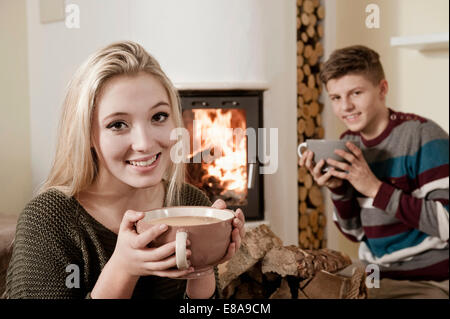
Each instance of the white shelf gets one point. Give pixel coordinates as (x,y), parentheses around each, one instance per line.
(434,41)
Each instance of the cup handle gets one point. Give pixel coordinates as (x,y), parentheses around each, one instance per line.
(299,149)
(180,250)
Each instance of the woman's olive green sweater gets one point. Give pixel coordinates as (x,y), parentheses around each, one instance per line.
(56,239)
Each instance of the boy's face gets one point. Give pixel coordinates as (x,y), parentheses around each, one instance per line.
(358,103)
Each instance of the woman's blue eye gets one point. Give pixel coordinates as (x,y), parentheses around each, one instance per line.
(116,126)
(160,117)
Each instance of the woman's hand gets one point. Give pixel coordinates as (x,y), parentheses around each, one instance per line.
(204,287)
(315,170)
(358,172)
(132,256)
(237,233)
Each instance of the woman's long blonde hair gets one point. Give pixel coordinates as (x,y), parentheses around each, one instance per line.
(75,166)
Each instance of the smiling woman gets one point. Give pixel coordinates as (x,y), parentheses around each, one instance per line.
(112,164)
(104,84)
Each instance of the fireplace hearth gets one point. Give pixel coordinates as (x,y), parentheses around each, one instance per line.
(222,126)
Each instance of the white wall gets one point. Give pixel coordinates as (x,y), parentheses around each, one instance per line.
(195,41)
(15,171)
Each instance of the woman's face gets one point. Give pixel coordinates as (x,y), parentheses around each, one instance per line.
(131,131)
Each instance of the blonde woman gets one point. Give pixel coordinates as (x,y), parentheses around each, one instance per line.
(112,163)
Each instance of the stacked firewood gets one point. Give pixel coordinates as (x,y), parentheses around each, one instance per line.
(309,120)
(265,269)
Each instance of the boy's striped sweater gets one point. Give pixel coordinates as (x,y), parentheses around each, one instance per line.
(405,228)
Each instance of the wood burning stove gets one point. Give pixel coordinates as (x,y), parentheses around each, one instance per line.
(223,126)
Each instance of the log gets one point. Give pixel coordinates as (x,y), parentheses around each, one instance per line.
(314,108)
(307,53)
(313,219)
(308,6)
(300,62)
(294,261)
(313,59)
(315,94)
(311,31)
(302,194)
(300,47)
(302,207)
(304,18)
(255,244)
(300,101)
(309,127)
(320,30)
(312,20)
(300,75)
(303,221)
(318,118)
(306,111)
(304,37)
(319,132)
(315,195)
(302,88)
(299,23)
(316,3)
(320,234)
(301,126)
(319,82)
(321,208)
(308,94)
(303,239)
(310,234)
(308,182)
(322,219)
(302,173)
(307,68)
(319,49)
(311,84)
(316,243)
(320,12)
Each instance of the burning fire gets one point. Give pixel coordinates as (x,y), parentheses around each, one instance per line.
(223,131)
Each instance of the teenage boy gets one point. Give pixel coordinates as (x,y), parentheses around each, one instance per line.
(392,194)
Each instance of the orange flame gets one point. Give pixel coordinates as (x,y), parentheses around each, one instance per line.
(224,130)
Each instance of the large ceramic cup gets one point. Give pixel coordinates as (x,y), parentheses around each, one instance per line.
(324,149)
(208,229)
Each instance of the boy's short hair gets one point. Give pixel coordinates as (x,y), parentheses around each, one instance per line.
(355,59)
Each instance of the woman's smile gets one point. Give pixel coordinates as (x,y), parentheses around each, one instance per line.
(145,165)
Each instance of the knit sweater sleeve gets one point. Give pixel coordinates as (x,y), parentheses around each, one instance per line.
(346,213)
(426,208)
(45,263)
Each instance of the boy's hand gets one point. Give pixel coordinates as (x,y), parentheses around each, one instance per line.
(316,171)
(358,172)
